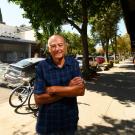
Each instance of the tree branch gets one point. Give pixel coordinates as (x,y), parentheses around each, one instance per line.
(74,25)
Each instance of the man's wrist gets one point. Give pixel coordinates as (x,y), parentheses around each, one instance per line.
(51,91)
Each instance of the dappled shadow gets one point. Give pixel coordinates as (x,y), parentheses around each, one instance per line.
(119,85)
(20,132)
(116,127)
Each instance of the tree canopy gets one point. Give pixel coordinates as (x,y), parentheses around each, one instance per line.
(48,15)
(123,45)
(104,25)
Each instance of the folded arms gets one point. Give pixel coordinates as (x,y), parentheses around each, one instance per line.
(76,87)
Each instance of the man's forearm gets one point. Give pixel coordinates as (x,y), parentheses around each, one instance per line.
(67,91)
(46,98)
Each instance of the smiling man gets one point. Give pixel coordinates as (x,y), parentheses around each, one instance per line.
(58,83)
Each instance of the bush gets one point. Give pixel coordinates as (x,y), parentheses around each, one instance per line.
(88,74)
(116,61)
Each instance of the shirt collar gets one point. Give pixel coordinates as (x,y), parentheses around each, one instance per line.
(52,65)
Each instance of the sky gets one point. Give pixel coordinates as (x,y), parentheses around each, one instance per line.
(12,15)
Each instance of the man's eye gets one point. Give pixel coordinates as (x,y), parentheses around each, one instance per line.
(52,46)
(60,45)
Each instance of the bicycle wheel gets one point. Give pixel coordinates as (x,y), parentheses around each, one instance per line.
(31,102)
(18,96)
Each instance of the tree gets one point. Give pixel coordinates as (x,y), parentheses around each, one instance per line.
(104,26)
(75,45)
(123,45)
(54,13)
(74,42)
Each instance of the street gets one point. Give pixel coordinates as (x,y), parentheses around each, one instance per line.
(107,108)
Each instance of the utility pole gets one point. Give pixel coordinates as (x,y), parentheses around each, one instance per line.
(1,20)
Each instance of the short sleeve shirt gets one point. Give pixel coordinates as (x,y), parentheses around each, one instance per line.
(63,114)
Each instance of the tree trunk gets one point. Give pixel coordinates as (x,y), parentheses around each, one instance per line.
(106,51)
(85,51)
(84,38)
(115,49)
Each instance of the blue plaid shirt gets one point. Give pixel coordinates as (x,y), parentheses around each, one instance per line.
(63,114)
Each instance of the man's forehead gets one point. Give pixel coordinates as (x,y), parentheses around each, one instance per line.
(55,38)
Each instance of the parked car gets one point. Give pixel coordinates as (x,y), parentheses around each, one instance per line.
(22,69)
(79,58)
(111,58)
(92,61)
(80,64)
(100,59)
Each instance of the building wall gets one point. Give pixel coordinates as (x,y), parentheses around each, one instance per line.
(10,53)
(27,35)
(15,42)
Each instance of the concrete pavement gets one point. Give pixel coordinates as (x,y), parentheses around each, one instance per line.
(108,107)
(4,94)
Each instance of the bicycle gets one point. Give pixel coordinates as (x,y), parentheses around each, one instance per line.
(22,93)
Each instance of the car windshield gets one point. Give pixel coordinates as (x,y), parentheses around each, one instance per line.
(23,63)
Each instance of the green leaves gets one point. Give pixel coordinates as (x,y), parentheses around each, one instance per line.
(49,15)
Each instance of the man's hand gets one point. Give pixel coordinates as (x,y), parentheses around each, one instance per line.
(76,81)
(51,90)
(75,88)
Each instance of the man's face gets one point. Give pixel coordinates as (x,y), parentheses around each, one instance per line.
(57,47)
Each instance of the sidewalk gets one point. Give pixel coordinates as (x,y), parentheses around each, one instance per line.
(107,108)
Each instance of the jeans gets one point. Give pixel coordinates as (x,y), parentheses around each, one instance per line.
(60,133)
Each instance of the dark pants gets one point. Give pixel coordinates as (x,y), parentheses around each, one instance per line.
(60,133)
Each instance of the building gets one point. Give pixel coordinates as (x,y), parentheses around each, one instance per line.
(16,43)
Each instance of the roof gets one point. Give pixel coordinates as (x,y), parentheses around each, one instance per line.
(23,32)
(15,40)
(24,28)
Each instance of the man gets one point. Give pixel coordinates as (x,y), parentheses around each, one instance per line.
(58,82)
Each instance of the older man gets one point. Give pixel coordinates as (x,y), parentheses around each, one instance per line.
(58,83)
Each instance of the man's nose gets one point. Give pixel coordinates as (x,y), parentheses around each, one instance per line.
(57,47)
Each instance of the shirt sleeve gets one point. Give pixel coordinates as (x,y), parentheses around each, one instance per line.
(39,84)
